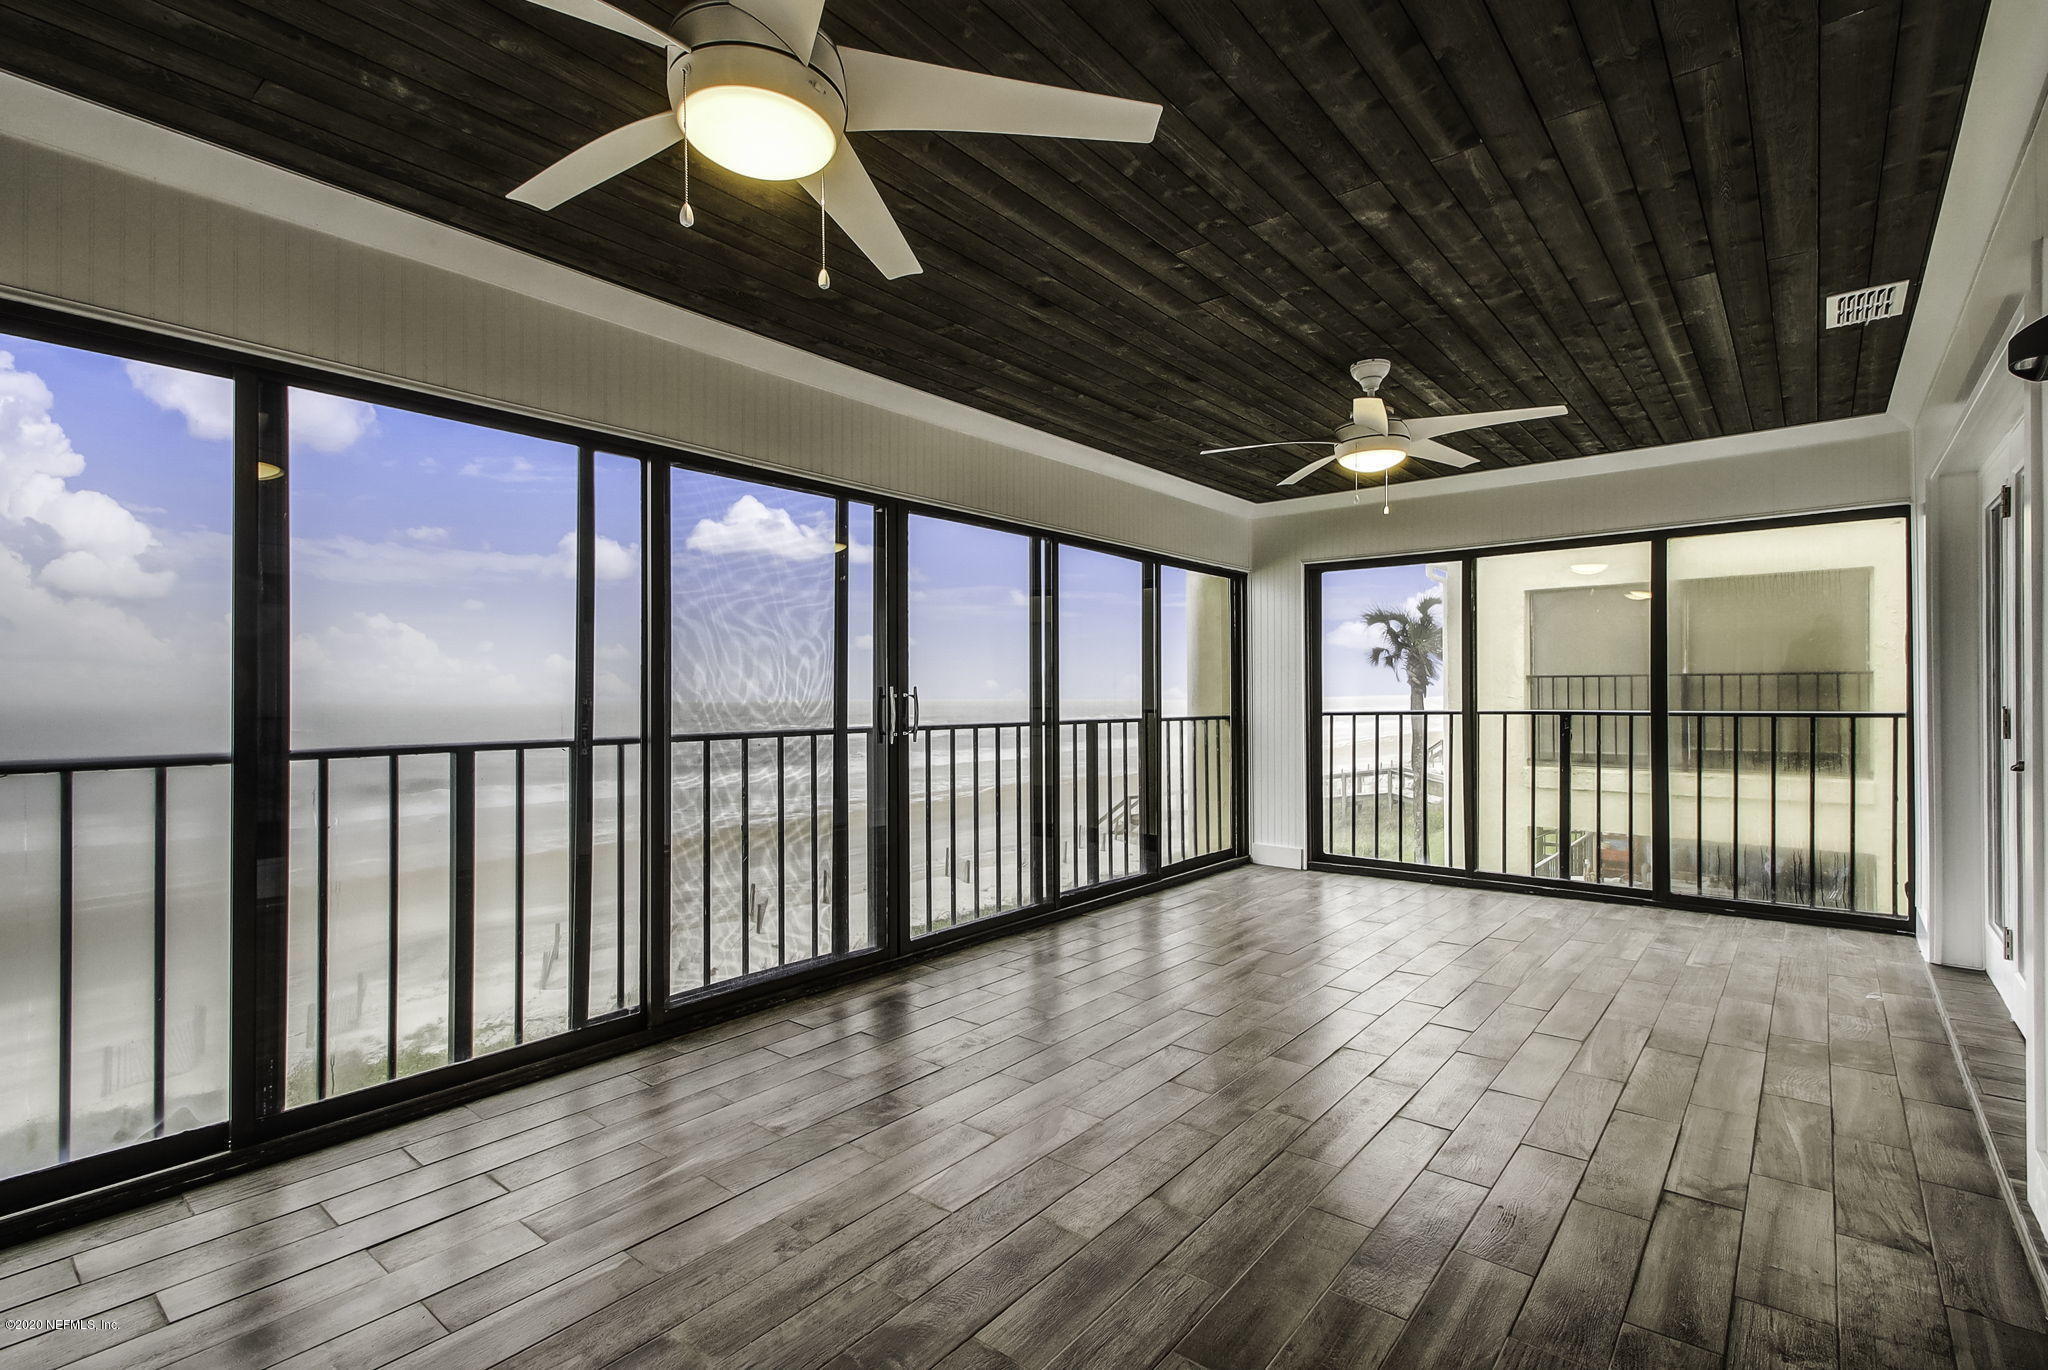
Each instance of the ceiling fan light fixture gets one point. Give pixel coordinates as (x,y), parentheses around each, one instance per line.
(1588,568)
(758,132)
(759,111)
(1371,455)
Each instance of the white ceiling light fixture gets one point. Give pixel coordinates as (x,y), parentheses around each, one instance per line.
(755,87)
(1636,594)
(1588,568)
(1374,442)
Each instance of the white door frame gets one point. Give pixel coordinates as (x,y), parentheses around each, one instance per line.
(2007,677)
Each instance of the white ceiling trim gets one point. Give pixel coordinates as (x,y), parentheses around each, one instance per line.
(1872,428)
(38,114)
(2004,103)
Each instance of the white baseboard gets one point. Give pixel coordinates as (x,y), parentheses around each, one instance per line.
(1274,854)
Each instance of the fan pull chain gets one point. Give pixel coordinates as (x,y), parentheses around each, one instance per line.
(688,218)
(824,276)
(1387,491)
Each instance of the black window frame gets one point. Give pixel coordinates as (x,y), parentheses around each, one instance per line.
(260,1128)
(1467,781)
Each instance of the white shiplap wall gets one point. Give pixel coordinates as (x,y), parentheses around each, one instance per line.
(105,215)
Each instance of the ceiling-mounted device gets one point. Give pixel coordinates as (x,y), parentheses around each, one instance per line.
(758,89)
(1853,308)
(1375,441)
(2026,356)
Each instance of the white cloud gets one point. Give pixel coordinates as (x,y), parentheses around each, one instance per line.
(427,534)
(358,561)
(1352,635)
(329,423)
(753,527)
(510,470)
(610,560)
(373,662)
(98,541)
(1355,634)
(207,402)
(326,423)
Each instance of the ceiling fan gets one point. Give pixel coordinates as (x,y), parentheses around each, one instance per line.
(1374,441)
(755,87)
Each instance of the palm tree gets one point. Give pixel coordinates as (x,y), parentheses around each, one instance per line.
(1411,645)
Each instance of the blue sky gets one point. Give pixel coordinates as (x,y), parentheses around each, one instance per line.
(1347,675)
(433,589)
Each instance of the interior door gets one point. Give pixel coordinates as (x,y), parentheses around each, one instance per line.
(2005,682)
(965,717)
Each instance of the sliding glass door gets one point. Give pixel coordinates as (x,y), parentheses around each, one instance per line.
(1563,714)
(1197,732)
(966,721)
(1390,733)
(769,731)
(1101,649)
(1715,716)
(359,747)
(116,495)
(1790,741)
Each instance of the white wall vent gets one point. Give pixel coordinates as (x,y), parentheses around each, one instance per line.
(1853,307)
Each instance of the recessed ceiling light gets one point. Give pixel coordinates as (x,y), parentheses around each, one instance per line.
(1636,594)
(1588,568)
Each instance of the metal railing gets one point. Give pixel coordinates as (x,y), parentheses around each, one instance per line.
(1197,786)
(1804,810)
(1102,817)
(433,896)
(1797,809)
(756,851)
(1759,691)
(1573,790)
(976,779)
(1390,783)
(147,1073)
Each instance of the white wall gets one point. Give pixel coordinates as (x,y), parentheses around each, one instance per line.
(104,214)
(1971,421)
(1827,466)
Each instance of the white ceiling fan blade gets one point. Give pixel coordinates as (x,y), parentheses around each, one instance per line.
(1438,453)
(795,22)
(1255,446)
(894,93)
(620,150)
(1459,423)
(850,197)
(1309,470)
(1370,413)
(611,17)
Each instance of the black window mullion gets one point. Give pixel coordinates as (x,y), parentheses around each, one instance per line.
(841,887)
(1045,669)
(261,781)
(1150,772)
(1468,760)
(1660,726)
(581,769)
(656,826)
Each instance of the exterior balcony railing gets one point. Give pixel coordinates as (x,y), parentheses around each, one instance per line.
(1797,809)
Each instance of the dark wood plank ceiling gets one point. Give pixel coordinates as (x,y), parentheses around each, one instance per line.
(1632,207)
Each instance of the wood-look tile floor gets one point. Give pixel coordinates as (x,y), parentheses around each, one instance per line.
(1267,1119)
